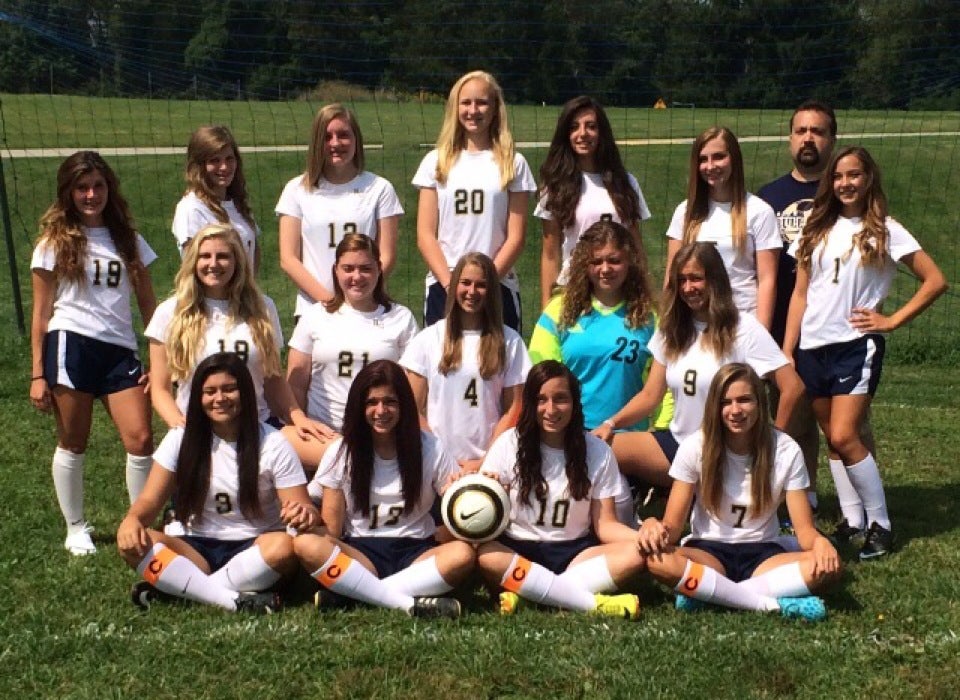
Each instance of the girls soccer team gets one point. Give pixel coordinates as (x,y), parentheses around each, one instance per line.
(384,443)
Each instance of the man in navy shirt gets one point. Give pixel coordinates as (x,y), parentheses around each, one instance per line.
(813,133)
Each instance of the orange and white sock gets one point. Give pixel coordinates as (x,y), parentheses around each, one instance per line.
(420,578)
(346,576)
(537,583)
(246,571)
(172,573)
(703,583)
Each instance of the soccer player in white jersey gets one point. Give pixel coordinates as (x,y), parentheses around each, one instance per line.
(846,259)
(334,197)
(467,370)
(700,331)
(743,227)
(474,190)
(582,181)
(333,341)
(87,263)
(217,307)
(216,191)
(733,473)
(377,485)
(237,482)
(564,545)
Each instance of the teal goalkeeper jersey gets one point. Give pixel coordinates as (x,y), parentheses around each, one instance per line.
(609,358)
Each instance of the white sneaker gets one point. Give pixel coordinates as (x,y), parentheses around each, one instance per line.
(79,543)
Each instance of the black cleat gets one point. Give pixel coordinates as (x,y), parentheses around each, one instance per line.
(266,603)
(878,543)
(436,607)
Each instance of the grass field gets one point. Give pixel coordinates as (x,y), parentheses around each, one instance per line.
(68,630)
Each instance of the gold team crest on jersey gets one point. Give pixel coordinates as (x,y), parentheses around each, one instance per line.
(793,218)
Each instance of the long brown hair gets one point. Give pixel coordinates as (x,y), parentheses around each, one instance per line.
(577,297)
(560,174)
(492,353)
(194,458)
(677,322)
(204,144)
(316,155)
(873,238)
(715,441)
(698,191)
(357,445)
(529,466)
(62,228)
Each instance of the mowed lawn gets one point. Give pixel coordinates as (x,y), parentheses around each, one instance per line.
(67,628)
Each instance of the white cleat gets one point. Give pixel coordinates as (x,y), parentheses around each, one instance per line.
(79,543)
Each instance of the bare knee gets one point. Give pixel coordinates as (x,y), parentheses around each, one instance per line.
(138,441)
(276,548)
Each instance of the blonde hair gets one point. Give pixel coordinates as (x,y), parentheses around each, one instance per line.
(452,138)
(185,336)
(698,192)
(316,156)
(714,456)
(873,238)
(492,354)
(204,144)
(577,297)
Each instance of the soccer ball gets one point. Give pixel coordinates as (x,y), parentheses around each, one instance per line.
(476,508)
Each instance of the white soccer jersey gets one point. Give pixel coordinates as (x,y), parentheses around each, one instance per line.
(222,334)
(559,517)
(840,282)
(689,375)
(763,233)
(462,406)
(734,523)
(386,517)
(192,214)
(99,306)
(328,212)
(595,204)
(341,344)
(222,518)
(473,208)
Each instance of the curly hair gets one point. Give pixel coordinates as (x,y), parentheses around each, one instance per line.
(204,144)
(714,457)
(492,351)
(873,238)
(560,174)
(636,289)
(529,466)
(185,336)
(62,228)
(677,321)
(452,138)
(698,192)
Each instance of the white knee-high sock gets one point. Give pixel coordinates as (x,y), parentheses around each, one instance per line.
(592,574)
(783,582)
(703,583)
(343,575)
(850,504)
(67,469)
(246,571)
(174,574)
(420,578)
(865,477)
(137,471)
(534,582)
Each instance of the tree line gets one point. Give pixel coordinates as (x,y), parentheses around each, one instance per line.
(748,53)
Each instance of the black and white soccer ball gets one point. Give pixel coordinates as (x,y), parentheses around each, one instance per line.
(476,508)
